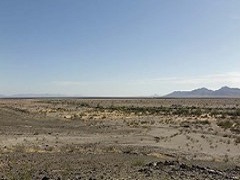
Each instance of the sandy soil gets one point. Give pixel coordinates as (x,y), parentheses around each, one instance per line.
(119,139)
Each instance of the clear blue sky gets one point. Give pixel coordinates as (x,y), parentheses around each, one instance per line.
(118,47)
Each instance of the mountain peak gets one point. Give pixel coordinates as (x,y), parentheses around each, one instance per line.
(225,87)
(202,89)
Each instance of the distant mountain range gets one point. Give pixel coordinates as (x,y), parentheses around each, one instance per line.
(204,92)
(31,95)
(38,95)
(223,92)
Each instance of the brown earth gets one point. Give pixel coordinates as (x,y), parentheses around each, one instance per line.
(119,139)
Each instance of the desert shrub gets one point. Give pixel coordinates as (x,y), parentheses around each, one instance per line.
(203,136)
(235,130)
(214,112)
(204,122)
(138,162)
(84,104)
(99,106)
(181,111)
(133,123)
(19,148)
(236,112)
(26,174)
(197,112)
(157,139)
(152,122)
(237,140)
(226,124)
(223,116)
(226,158)
(144,122)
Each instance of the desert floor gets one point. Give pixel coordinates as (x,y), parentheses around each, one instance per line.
(119,139)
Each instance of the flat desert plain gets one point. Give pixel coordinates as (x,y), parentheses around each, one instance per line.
(91,139)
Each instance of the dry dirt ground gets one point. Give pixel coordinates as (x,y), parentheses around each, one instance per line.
(119,139)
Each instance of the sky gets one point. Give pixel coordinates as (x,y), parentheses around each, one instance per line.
(118,47)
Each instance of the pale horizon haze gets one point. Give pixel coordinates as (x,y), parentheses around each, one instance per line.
(118,47)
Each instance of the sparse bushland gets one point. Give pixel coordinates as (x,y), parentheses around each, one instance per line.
(176,110)
(105,140)
(232,124)
(195,122)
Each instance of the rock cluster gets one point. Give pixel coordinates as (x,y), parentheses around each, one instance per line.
(177,170)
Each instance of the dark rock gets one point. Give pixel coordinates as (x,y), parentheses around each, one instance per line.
(45,178)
